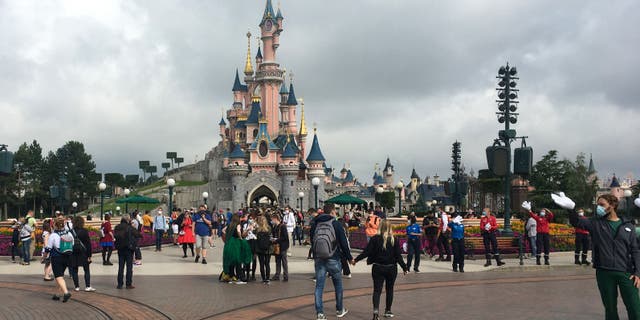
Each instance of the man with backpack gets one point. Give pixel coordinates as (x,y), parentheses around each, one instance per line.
(330,244)
(126,238)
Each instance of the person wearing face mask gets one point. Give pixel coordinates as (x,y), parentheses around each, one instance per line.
(444,231)
(615,255)
(582,241)
(413,244)
(457,243)
(489,229)
(542,229)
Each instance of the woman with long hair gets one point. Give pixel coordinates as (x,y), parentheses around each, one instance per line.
(186,235)
(383,252)
(56,248)
(81,258)
(46,232)
(236,252)
(263,243)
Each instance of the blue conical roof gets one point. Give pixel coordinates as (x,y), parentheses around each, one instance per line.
(283,89)
(315,154)
(237,86)
(292,97)
(222,123)
(279,14)
(268,13)
(259,54)
(254,116)
(614,182)
(289,150)
(237,152)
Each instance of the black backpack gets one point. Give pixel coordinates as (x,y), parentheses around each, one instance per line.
(78,246)
(264,241)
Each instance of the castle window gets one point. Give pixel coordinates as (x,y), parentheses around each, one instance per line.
(292,183)
(234,188)
(255,133)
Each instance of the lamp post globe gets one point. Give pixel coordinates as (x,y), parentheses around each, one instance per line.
(399,186)
(627,196)
(171,182)
(301,197)
(205,196)
(75,206)
(127,191)
(118,210)
(102,186)
(316,182)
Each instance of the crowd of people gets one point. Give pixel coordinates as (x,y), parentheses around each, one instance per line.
(251,236)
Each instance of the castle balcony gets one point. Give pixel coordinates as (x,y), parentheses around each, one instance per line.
(273,75)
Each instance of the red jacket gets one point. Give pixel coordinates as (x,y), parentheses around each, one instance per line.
(490,220)
(542,222)
(582,231)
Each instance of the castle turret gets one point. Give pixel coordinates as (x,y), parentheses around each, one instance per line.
(253,120)
(388,172)
(291,116)
(223,129)
(289,170)
(316,168)
(415,180)
(238,170)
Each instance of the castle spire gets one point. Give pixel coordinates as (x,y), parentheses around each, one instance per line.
(248,69)
(268,12)
(303,125)
(315,154)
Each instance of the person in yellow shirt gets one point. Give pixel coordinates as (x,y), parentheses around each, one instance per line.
(147,221)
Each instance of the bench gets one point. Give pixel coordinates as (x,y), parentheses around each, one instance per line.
(506,245)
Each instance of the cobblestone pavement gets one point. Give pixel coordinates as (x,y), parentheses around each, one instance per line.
(191,291)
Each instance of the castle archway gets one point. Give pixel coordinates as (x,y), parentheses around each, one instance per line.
(262,195)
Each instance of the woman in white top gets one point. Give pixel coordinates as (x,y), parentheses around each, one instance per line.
(46,232)
(59,260)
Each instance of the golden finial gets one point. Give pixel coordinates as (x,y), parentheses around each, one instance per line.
(248,69)
(303,125)
(315,128)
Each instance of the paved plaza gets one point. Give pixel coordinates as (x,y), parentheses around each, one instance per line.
(169,287)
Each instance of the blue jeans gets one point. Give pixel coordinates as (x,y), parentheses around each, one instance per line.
(159,233)
(334,268)
(532,243)
(26,255)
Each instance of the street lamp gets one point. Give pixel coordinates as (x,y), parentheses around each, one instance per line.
(171,183)
(379,191)
(301,196)
(316,182)
(102,186)
(205,196)
(627,195)
(399,186)
(126,195)
(74,205)
(118,210)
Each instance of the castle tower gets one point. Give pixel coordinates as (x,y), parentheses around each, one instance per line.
(238,171)
(316,168)
(253,120)
(415,180)
(289,170)
(615,188)
(291,111)
(388,172)
(263,156)
(269,77)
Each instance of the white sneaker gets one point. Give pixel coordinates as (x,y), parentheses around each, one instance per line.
(77,289)
(240,282)
(342,313)
(89,289)
(348,276)
(321,316)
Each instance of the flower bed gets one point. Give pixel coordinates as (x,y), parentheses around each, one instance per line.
(148,239)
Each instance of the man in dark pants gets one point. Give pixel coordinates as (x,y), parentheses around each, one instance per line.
(413,243)
(582,241)
(443,237)
(457,243)
(430,227)
(126,236)
(489,228)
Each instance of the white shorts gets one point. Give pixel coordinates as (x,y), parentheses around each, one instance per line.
(175,228)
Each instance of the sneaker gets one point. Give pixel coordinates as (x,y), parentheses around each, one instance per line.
(66,297)
(89,289)
(376,317)
(240,282)
(341,313)
(77,289)
(416,270)
(321,316)
(131,287)
(388,314)
(204,261)
(55,297)
(197,259)
(137,263)
(348,276)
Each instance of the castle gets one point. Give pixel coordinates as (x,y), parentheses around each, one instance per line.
(262,157)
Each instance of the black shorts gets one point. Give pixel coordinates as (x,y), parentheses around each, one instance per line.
(59,264)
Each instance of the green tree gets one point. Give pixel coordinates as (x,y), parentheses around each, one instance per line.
(29,166)
(76,169)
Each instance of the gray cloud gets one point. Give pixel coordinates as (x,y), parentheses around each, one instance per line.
(399,78)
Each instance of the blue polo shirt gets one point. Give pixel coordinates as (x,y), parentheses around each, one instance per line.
(202,229)
(414,228)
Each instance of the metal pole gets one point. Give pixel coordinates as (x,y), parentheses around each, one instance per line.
(399,202)
(507,141)
(126,205)
(316,192)
(170,199)
(101,204)
(205,200)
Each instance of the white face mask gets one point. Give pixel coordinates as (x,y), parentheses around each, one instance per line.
(581,214)
(542,213)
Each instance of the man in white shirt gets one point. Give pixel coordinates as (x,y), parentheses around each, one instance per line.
(290,220)
(443,237)
(159,226)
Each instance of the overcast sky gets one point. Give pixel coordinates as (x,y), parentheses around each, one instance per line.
(405,79)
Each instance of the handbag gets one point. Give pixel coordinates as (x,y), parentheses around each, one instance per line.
(276,249)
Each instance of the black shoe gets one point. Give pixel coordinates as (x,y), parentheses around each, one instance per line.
(461,269)
(55,297)
(275,278)
(376,316)
(66,297)
(184,256)
(285,279)
(204,261)
(119,287)
(197,259)
(488,263)
(108,263)
(455,269)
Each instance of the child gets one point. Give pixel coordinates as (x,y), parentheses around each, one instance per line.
(15,240)
(457,243)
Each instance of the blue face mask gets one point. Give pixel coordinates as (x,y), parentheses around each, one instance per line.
(484,214)
(600,211)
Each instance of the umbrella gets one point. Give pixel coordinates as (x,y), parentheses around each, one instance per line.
(137,199)
(345,199)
